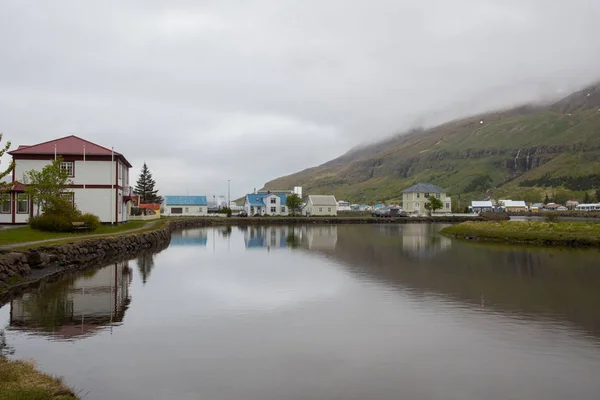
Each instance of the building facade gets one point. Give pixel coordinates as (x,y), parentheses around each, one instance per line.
(317,205)
(415,197)
(99,179)
(266,204)
(185,206)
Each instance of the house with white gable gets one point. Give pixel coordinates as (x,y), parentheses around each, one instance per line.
(99,179)
(319,205)
(266,204)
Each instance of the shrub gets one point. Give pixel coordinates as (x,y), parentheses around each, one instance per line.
(551,217)
(91,220)
(51,223)
(63,208)
(493,216)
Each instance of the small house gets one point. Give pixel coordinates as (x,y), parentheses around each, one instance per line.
(513,206)
(317,205)
(536,207)
(571,204)
(415,197)
(481,206)
(555,207)
(268,203)
(185,206)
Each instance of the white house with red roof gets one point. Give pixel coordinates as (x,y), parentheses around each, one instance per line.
(99,176)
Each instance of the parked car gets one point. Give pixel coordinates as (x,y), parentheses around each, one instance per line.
(389,212)
(242,214)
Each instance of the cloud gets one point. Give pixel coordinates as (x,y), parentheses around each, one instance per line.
(249,91)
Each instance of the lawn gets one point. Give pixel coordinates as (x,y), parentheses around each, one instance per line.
(568,233)
(20,380)
(26,234)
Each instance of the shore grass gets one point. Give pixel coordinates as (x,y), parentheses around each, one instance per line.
(19,380)
(25,234)
(534,232)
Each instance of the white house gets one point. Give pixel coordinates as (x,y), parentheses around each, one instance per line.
(320,205)
(266,204)
(343,205)
(99,179)
(481,206)
(415,197)
(185,206)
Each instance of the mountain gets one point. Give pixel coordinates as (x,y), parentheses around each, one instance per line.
(525,152)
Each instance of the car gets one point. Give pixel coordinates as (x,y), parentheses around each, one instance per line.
(242,214)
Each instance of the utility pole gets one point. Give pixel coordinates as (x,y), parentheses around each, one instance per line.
(228,193)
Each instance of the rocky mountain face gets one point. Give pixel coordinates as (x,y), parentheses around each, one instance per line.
(514,153)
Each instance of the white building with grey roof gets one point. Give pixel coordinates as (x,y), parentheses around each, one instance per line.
(415,197)
(318,205)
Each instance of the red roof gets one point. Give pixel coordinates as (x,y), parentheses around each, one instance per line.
(150,206)
(68,145)
(15,186)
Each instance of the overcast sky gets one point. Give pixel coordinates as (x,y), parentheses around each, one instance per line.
(206,91)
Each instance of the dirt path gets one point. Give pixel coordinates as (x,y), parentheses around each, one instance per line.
(23,244)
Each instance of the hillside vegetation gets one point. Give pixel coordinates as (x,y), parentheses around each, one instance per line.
(523,153)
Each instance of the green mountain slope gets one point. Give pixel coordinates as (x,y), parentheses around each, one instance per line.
(522,153)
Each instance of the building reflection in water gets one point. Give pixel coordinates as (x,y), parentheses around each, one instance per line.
(75,307)
(321,237)
(190,237)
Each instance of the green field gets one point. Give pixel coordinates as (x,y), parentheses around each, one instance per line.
(567,233)
(25,234)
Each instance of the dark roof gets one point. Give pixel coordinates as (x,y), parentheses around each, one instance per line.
(424,188)
(68,145)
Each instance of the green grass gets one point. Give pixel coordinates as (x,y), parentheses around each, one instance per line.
(26,234)
(19,380)
(568,233)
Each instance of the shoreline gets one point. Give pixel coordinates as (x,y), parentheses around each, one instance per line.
(566,234)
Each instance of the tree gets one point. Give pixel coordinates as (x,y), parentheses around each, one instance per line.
(597,195)
(144,187)
(293,203)
(587,199)
(546,199)
(10,167)
(47,186)
(433,204)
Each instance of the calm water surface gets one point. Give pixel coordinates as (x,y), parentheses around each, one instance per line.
(321,312)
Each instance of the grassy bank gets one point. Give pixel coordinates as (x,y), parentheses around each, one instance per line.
(25,234)
(19,380)
(533,232)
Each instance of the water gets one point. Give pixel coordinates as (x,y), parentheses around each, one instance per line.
(322,312)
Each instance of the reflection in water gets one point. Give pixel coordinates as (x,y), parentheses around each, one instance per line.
(191,237)
(347,312)
(145,264)
(75,306)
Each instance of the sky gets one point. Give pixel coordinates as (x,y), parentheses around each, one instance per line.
(216,90)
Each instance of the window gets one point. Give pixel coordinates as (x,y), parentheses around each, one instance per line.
(273,209)
(329,209)
(68,166)
(437,195)
(320,209)
(416,205)
(200,210)
(273,200)
(418,195)
(22,204)
(426,195)
(282,209)
(447,205)
(176,210)
(120,203)
(69,196)
(187,210)
(5,204)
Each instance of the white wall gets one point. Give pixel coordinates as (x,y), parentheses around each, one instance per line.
(187,211)
(315,209)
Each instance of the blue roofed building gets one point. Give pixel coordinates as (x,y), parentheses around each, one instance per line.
(266,204)
(185,206)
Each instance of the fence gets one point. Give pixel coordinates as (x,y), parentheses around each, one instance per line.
(143,217)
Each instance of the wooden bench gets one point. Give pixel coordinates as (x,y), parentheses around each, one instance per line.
(81,226)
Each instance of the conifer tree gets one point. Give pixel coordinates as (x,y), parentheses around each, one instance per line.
(144,187)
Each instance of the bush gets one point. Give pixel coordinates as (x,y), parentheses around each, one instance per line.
(51,223)
(494,216)
(551,217)
(91,220)
(63,208)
